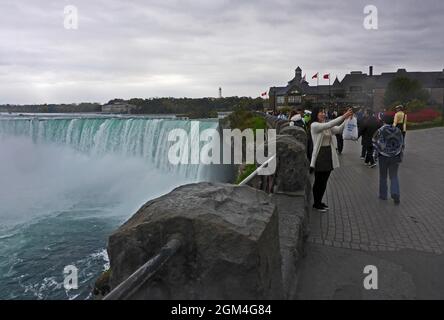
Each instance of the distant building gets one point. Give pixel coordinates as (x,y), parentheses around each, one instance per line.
(118,107)
(356,88)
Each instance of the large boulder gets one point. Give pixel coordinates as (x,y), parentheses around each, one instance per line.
(280,124)
(297,132)
(292,165)
(231,244)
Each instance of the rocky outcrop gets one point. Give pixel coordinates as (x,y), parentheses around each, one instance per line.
(292,164)
(231,247)
(292,196)
(297,132)
(238,242)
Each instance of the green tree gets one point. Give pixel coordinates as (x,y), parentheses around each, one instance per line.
(403,90)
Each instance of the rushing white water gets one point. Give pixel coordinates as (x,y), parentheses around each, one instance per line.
(66,183)
(129,137)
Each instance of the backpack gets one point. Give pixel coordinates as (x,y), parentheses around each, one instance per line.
(388,141)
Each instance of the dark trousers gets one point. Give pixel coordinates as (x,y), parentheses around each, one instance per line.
(363,151)
(320,185)
(369,154)
(340,141)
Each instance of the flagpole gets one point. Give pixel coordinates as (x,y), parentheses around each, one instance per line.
(329,88)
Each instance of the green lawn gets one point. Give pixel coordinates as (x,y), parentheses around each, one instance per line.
(438,122)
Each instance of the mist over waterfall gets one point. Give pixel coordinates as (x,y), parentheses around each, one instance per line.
(129,137)
(67,183)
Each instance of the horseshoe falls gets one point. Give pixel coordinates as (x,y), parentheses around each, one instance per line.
(66,183)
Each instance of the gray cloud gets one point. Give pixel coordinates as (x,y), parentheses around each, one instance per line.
(190,48)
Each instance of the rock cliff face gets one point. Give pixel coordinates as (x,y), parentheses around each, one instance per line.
(231,244)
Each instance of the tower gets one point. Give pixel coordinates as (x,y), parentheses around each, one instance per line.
(220,93)
(298,73)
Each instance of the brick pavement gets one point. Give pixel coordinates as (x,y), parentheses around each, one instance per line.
(359,220)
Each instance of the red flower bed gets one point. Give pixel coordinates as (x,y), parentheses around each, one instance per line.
(424,115)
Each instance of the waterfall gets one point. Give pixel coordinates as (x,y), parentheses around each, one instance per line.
(67,182)
(139,137)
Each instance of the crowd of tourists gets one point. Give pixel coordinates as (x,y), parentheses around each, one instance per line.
(382,138)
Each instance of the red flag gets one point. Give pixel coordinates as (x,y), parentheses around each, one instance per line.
(315,76)
(327,76)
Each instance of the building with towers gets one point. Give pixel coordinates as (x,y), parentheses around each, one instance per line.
(355,89)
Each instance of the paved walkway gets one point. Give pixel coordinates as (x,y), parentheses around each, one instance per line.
(360,228)
(359,220)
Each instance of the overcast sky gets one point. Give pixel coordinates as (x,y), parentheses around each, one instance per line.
(154,48)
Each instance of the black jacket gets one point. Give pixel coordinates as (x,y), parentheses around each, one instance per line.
(368,128)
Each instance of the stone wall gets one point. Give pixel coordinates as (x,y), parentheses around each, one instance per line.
(292,196)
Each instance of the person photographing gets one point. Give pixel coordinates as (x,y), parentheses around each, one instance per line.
(388,142)
(324,158)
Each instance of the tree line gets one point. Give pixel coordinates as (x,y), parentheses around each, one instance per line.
(192,107)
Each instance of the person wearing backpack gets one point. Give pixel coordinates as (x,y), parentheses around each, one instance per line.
(388,142)
(324,156)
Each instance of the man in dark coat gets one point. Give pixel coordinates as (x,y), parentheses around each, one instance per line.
(367,129)
(361,116)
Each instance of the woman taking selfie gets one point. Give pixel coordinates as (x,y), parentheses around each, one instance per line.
(324,157)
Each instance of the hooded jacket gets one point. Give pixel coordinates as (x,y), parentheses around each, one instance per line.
(388,141)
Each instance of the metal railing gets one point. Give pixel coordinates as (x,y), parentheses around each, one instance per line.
(255,172)
(135,281)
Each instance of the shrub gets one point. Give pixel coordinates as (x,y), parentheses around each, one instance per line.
(424,125)
(415,105)
(247,170)
(403,89)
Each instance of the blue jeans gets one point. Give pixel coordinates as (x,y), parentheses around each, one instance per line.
(390,166)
